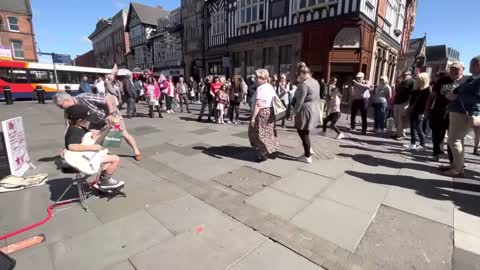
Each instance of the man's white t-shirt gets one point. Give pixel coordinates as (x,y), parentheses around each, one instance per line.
(266,92)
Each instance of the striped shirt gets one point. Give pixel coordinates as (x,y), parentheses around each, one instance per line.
(97,105)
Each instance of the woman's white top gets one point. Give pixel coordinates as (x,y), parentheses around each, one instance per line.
(266,92)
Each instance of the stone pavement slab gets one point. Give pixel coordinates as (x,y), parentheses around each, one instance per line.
(125,265)
(272,256)
(36,257)
(183,214)
(136,199)
(332,168)
(216,248)
(420,204)
(280,167)
(246,180)
(109,244)
(203,131)
(465,260)
(333,221)
(302,184)
(277,203)
(168,157)
(399,240)
(356,193)
(466,222)
(467,242)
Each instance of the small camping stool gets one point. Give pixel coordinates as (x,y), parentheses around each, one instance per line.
(80,180)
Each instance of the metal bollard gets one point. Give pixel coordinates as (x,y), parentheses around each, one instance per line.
(7,93)
(68,90)
(40,94)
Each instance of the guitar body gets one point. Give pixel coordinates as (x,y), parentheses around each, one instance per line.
(87,162)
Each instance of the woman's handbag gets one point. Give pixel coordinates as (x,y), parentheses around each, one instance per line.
(279,109)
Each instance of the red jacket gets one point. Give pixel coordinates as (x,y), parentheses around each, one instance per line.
(156,91)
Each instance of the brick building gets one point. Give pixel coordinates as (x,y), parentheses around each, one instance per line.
(85,60)
(16,29)
(110,41)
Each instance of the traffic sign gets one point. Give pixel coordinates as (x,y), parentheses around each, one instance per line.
(62,58)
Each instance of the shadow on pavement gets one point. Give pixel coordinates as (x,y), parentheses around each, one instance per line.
(238,152)
(430,188)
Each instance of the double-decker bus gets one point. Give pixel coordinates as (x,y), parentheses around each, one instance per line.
(23,77)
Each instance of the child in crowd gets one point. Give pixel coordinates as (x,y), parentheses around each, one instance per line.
(77,115)
(222,99)
(333,114)
(152,94)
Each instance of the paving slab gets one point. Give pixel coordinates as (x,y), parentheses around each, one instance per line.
(36,257)
(468,242)
(280,167)
(215,248)
(465,260)
(356,193)
(203,131)
(466,222)
(333,221)
(277,203)
(302,184)
(125,265)
(400,240)
(137,199)
(333,168)
(67,221)
(272,256)
(183,214)
(246,180)
(168,157)
(420,204)
(113,242)
(143,130)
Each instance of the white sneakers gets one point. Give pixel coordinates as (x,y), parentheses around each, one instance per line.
(413,146)
(340,136)
(305,159)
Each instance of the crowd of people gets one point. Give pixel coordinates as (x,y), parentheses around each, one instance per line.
(448,102)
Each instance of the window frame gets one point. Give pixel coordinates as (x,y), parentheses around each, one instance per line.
(10,24)
(217,23)
(309,6)
(256,9)
(13,49)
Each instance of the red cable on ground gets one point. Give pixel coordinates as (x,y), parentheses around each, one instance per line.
(41,222)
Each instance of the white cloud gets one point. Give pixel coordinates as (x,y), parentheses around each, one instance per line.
(85,39)
(119,4)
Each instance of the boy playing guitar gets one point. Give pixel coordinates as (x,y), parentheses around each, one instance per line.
(84,154)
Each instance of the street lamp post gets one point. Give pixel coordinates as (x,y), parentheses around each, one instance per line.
(54,66)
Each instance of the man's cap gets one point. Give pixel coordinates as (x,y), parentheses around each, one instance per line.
(360,75)
(77,112)
(457,64)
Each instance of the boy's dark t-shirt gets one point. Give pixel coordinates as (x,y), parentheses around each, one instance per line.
(441,88)
(74,135)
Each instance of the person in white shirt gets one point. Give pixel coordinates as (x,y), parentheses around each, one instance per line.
(261,132)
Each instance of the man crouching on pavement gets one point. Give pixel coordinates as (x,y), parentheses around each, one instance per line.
(103,114)
(77,116)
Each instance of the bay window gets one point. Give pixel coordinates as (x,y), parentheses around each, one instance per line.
(218,23)
(299,5)
(251,11)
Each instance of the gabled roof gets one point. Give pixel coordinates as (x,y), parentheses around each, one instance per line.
(18,6)
(147,14)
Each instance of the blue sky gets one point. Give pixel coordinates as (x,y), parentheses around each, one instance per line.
(452,23)
(63,26)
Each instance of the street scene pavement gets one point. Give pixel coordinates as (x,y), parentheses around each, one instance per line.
(198,200)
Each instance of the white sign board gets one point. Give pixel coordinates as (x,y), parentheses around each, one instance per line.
(16,146)
(5,52)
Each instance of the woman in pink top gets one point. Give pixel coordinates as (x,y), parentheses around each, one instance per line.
(152,94)
(333,114)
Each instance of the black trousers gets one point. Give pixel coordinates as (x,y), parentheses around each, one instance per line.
(206,104)
(359,104)
(305,137)
(169,103)
(439,123)
(333,118)
(234,107)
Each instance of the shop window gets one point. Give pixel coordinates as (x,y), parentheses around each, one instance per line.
(285,54)
(348,37)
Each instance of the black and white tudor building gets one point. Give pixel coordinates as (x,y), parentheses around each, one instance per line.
(335,37)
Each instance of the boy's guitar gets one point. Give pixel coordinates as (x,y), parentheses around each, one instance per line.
(87,162)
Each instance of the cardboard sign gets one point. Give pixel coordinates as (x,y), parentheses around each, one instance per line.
(16,146)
